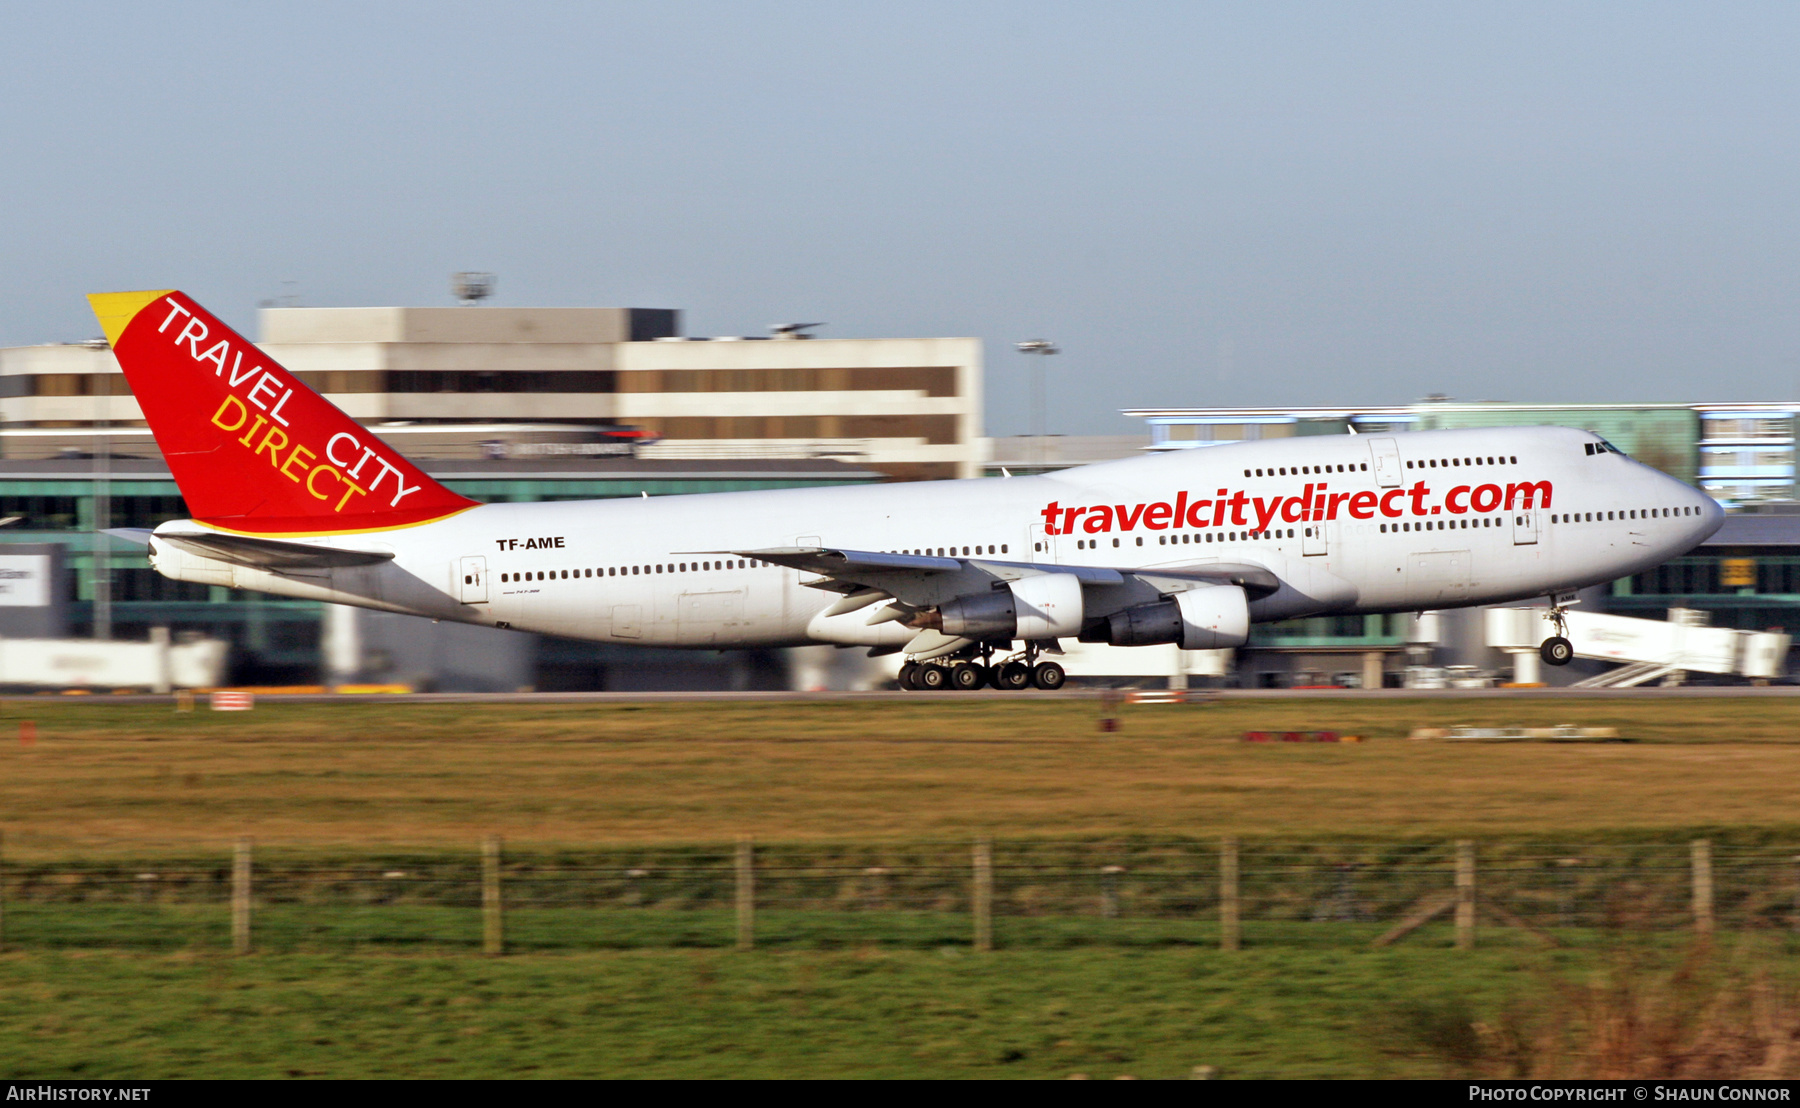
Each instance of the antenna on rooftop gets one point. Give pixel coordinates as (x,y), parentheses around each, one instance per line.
(472,288)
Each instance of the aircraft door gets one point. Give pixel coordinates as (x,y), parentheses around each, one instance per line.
(1313,540)
(473,588)
(1040,547)
(1385,456)
(1524,526)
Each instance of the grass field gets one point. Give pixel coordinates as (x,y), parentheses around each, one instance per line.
(101,775)
(891,999)
(860,1013)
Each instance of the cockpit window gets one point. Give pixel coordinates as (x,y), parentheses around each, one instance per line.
(1604,447)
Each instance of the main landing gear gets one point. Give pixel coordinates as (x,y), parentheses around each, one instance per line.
(1557,650)
(975,669)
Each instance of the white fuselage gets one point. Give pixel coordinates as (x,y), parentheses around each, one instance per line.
(1350,524)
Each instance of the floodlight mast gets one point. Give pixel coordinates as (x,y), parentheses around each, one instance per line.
(101,461)
(1043,348)
(472,288)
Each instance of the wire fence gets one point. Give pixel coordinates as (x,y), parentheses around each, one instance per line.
(981,894)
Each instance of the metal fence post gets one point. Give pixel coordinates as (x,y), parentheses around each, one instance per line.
(1109,891)
(1465,894)
(1231,934)
(746,893)
(984,894)
(240,897)
(493,933)
(1700,852)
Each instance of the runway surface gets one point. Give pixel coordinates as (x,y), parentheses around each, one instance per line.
(1195,696)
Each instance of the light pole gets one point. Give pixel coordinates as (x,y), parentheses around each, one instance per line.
(102,462)
(1043,348)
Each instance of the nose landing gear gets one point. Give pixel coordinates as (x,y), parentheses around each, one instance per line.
(1557,650)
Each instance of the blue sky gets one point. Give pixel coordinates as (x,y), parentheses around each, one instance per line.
(1204,204)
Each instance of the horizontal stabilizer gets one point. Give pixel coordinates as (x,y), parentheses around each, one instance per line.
(139,535)
(274,554)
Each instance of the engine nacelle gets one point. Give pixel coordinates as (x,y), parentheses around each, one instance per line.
(1212,618)
(987,615)
(1047,606)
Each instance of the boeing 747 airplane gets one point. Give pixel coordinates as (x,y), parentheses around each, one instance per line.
(975,581)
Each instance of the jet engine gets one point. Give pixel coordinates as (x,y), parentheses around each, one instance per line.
(1046,606)
(1210,618)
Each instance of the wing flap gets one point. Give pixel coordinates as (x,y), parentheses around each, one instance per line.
(1256,581)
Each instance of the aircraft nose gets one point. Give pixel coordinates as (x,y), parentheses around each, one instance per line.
(1712,513)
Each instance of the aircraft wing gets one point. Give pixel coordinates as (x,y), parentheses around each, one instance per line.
(274,554)
(921,581)
(913,582)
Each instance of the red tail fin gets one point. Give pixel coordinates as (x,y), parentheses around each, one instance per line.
(252,448)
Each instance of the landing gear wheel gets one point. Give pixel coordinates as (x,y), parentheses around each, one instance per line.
(931,678)
(1013,676)
(1048,676)
(1556,651)
(965,677)
(907,673)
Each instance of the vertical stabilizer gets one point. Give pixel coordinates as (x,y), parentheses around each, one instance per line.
(252,448)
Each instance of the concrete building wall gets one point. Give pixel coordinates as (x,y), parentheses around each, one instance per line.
(910,407)
(908,431)
(391,325)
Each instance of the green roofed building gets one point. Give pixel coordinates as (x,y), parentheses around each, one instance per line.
(1743,454)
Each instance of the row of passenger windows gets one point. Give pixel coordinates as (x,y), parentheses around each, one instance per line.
(1563,517)
(1443,525)
(1641,513)
(1211,536)
(1221,536)
(1446,463)
(950,551)
(1306,471)
(632,571)
(1363,467)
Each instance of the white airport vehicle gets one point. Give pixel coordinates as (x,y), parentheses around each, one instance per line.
(158,665)
(975,581)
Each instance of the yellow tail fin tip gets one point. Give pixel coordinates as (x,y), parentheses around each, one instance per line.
(116,309)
